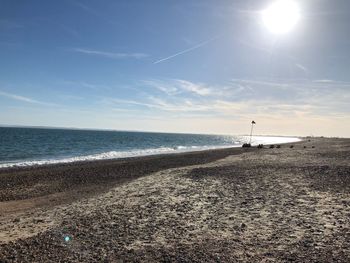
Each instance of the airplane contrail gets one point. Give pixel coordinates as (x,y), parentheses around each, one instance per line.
(186,50)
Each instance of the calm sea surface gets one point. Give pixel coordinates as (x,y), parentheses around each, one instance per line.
(34,146)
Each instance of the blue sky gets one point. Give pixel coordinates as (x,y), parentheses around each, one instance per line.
(176,66)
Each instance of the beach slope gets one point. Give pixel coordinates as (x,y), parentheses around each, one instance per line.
(257,205)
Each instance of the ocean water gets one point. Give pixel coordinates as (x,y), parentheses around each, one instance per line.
(36,146)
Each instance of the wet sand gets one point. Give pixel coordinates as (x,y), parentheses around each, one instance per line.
(232,205)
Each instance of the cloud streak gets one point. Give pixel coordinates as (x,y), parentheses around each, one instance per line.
(185,51)
(24,99)
(111,55)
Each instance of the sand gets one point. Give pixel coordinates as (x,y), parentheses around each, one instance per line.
(233,205)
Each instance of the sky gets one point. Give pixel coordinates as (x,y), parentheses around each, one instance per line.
(194,66)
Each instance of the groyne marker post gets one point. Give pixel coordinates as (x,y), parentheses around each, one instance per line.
(251,131)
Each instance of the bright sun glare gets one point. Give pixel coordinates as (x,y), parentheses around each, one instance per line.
(281,16)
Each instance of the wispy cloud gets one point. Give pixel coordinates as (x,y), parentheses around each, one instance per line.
(157,103)
(243,97)
(162,86)
(333,83)
(323,81)
(199,89)
(185,51)
(94,12)
(85,7)
(71,97)
(179,86)
(25,99)
(302,68)
(126,102)
(87,85)
(183,106)
(111,55)
(70,30)
(277,84)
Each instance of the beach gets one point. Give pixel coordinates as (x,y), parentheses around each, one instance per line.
(228,205)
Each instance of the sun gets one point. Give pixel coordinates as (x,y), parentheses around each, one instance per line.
(281,16)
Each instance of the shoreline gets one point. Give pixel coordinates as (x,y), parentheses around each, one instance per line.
(54,162)
(227,205)
(55,184)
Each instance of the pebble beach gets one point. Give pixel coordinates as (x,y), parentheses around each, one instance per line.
(229,205)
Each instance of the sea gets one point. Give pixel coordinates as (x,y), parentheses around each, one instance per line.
(40,146)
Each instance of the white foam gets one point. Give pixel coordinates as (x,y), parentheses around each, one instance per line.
(270,139)
(146,152)
(113,155)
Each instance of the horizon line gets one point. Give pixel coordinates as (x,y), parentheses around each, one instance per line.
(146,131)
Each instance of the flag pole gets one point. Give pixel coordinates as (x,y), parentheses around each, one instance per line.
(251,132)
